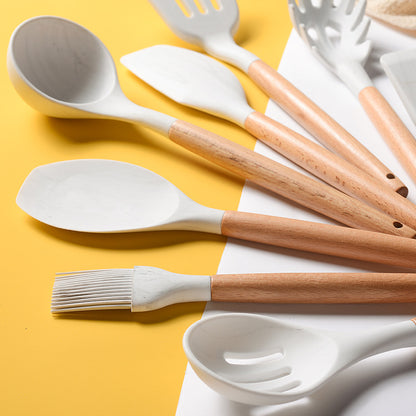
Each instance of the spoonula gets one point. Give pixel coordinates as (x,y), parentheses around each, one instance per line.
(106,196)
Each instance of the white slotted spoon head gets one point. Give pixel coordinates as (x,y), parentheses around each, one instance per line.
(259,360)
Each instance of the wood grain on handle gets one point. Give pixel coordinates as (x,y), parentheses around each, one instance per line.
(320,238)
(284,181)
(314,288)
(331,168)
(391,128)
(323,127)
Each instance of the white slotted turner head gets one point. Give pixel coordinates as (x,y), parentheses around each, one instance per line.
(209,24)
(192,79)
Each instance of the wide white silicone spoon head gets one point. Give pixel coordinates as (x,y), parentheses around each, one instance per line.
(63,70)
(192,79)
(94,195)
(259,360)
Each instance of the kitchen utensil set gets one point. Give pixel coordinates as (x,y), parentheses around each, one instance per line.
(63,70)
(59,44)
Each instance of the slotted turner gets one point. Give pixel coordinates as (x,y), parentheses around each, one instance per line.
(336,34)
(213,31)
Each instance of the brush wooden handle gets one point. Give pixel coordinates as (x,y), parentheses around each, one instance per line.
(331,168)
(314,288)
(323,127)
(390,126)
(284,181)
(320,238)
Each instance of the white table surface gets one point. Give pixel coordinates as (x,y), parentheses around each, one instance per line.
(378,386)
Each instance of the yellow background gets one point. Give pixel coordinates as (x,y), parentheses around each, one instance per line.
(109,363)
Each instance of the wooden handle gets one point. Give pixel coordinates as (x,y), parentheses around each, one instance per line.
(320,238)
(284,181)
(331,168)
(314,288)
(323,127)
(395,133)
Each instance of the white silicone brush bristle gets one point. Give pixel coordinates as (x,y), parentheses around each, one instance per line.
(92,290)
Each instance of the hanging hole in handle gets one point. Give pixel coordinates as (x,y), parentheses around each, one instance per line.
(403,190)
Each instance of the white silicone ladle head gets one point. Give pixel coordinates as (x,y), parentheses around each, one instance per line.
(63,70)
(259,360)
(94,195)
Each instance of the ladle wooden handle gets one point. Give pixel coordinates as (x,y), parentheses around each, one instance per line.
(395,133)
(284,181)
(323,127)
(320,238)
(314,288)
(330,168)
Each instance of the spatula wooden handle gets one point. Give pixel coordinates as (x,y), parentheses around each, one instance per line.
(314,288)
(323,127)
(320,238)
(392,129)
(284,181)
(330,168)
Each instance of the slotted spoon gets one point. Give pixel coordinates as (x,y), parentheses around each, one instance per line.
(213,30)
(63,70)
(260,360)
(336,34)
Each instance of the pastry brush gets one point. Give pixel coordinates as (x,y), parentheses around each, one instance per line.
(147,288)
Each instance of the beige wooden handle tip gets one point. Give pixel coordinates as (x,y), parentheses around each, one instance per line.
(391,128)
(329,167)
(322,126)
